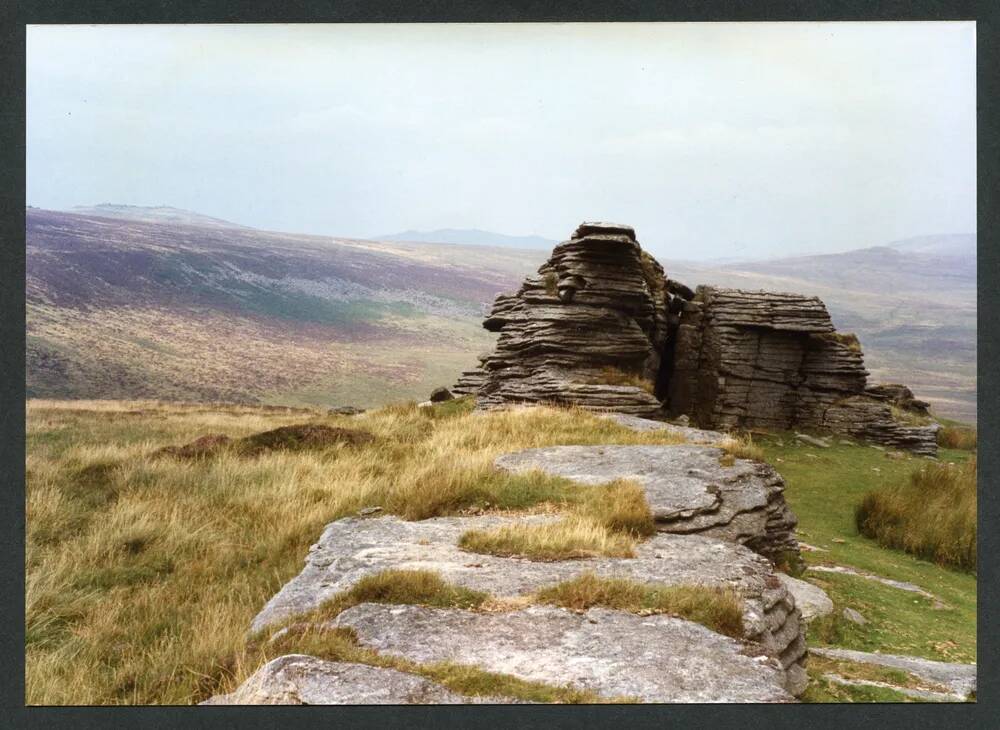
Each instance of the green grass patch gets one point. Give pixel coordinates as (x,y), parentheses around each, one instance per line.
(823,488)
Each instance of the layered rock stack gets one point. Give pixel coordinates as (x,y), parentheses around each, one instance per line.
(600,326)
(587,330)
(766,360)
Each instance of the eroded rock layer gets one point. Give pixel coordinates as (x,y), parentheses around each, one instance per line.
(587,330)
(765,360)
(689,488)
(601,326)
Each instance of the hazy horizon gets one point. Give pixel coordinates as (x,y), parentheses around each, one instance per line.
(713,140)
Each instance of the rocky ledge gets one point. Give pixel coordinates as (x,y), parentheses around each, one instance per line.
(688,488)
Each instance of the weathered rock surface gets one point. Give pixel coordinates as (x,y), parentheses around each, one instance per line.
(298,679)
(351,549)
(598,303)
(960,679)
(812,601)
(768,360)
(614,654)
(601,326)
(687,488)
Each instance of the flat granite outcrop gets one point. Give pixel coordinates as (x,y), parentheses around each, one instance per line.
(614,654)
(299,679)
(687,488)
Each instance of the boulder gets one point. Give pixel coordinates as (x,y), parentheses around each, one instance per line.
(440,395)
(811,600)
(614,654)
(298,679)
(687,487)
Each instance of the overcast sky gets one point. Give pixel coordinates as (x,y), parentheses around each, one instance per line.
(713,140)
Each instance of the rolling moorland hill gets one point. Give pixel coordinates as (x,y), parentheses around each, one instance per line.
(471,236)
(152,304)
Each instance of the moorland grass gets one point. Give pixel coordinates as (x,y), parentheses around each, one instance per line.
(143,573)
(720,609)
(606,521)
(823,488)
(931,515)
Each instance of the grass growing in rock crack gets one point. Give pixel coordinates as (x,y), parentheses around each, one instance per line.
(340,644)
(719,609)
(607,521)
(143,573)
(413,587)
(931,515)
(611,375)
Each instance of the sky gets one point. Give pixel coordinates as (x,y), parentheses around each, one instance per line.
(714,140)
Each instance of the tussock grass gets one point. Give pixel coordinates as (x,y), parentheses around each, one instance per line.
(720,609)
(610,375)
(847,339)
(932,516)
(573,537)
(607,521)
(957,437)
(143,573)
(414,587)
(740,447)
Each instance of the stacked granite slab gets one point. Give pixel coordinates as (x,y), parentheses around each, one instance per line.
(598,303)
(766,360)
(687,486)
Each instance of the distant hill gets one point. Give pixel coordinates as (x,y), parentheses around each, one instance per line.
(471,236)
(153,214)
(121,307)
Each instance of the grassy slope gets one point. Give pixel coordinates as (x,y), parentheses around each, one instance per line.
(117,538)
(823,488)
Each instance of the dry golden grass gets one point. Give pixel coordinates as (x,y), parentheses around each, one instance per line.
(606,521)
(740,447)
(143,573)
(611,375)
(958,437)
(567,539)
(720,609)
(932,516)
(909,418)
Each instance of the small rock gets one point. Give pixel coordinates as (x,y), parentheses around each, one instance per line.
(682,420)
(854,617)
(440,395)
(819,443)
(811,600)
(424,404)
(369,510)
(896,455)
(838,540)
